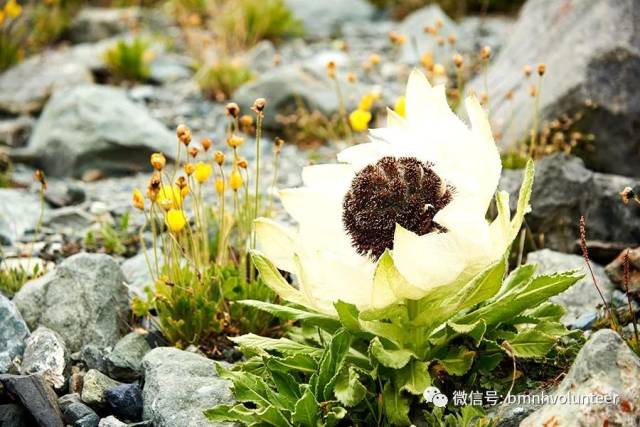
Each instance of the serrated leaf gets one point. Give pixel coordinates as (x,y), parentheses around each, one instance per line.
(334,416)
(394,359)
(517,278)
(396,406)
(305,412)
(295,362)
(348,315)
(268,415)
(414,377)
(282,345)
(531,344)
(553,329)
(524,198)
(348,389)
(548,311)
(331,364)
(475,330)
(246,387)
(457,361)
(285,312)
(286,385)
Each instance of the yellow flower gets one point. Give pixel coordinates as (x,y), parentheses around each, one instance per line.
(366,102)
(12,9)
(359,119)
(400,105)
(235,180)
(158,161)
(219,186)
(169,197)
(203,171)
(138,199)
(189,168)
(184,192)
(1,16)
(176,220)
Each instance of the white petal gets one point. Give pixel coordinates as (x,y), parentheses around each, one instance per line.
(336,176)
(365,154)
(427,261)
(394,119)
(276,242)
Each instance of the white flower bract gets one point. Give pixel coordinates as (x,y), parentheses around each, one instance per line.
(320,252)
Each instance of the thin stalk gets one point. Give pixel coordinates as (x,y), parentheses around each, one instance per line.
(257,178)
(626,288)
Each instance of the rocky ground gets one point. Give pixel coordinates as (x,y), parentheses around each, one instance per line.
(69,354)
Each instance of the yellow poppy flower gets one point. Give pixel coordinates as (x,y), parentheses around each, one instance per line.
(219,185)
(203,172)
(359,120)
(400,106)
(176,220)
(137,199)
(235,180)
(12,9)
(169,197)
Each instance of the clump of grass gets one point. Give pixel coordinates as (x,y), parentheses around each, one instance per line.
(13,278)
(112,239)
(220,80)
(129,60)
(10,47)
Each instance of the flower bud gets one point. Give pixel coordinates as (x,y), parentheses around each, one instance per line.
(193,152)
(258,105)
(541,69)
(218,156)
(189,168)
(246,121)
(39,175)
(158,161)
(184,134)
(206,143)
(235,180)
(457,60)
(235,141)
(219,186)
(485,53)
(137,199)
(232,109)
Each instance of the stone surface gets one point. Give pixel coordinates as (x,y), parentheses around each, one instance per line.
(13,333)
(77,413)
(46,354)
(180,385)
(563,190)
(62,193)
(85,293)
(125,401)
(615,270)
(36,396)
(284,86)
(125,360)
(136,272)
(92,24)
(604,366)
(96,127)
(94,357)
(95,385)
(325,18)
(111,421)
(12,415)
(19,213)
(603,69)
(582,298)
(15,131)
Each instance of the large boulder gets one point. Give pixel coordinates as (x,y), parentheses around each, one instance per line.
(591,51)
(326,18)
(96,127)
(581,300)
(96,23)
(19,213)
(179,386)
(606,368)
(84,300)
(563,190)
(13,333)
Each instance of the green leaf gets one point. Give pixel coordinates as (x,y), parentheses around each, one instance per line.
(285,312)
(523,199)
(246,387)
(348,389)
(414,377)
(272,277)
(457,361)
(297,362)
(517,278)
(282,345)
(548,311)
(396,406)
(474,330)
(348,314)
(389,284)
(269,415)
(515,302)
(331,365)
(531,344)
(394,359)
(334,416)
(553,329)
(305,412)
(286,385)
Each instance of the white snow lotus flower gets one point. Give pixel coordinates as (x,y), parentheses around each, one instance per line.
(398,216)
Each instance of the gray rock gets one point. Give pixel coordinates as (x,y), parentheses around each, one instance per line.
(46,354)
(125,360)
(284,86)
(136,272)
(12,415)
(19,213)
(111,421)
(84,293)
(563,190)
(94,357)
(13,333)
(605,366)
(26,87)
(61,193)
(15,131)
(478,32)
(93,23)
(179,386)
(36,396)
(96,127)
(325,18)
(582,298)
(260,57)
(419,42)
(125,401)
(615,270)
(604,69)
(77,413)
(95,385)
(167,68)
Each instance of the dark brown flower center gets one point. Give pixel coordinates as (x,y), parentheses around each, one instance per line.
(402,190)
